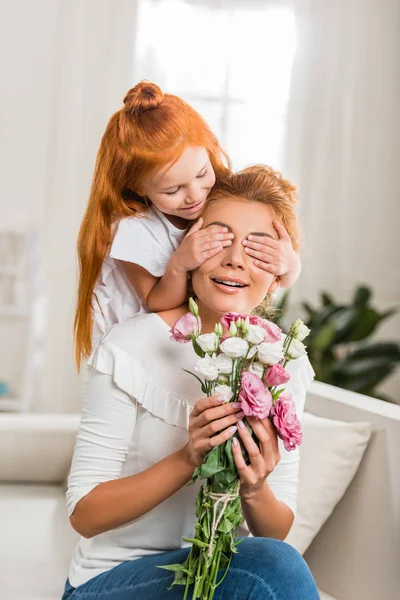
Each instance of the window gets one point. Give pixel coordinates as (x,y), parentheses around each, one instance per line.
(231,61)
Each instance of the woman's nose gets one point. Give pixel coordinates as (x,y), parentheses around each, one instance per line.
(235,256)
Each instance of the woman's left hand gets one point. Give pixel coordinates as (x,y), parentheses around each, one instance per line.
(263,459)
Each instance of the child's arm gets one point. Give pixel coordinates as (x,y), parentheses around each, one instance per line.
(170,290)
(275,256)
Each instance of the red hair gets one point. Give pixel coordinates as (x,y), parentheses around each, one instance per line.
(150,131)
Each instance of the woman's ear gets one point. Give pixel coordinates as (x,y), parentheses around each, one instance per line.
(274,286)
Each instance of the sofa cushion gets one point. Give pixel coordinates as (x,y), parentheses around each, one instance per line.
(330,455)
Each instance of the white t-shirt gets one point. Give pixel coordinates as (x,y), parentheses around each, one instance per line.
(148,241)
(135,413)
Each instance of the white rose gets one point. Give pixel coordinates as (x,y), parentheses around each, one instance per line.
(207,368)
(235,347)
(300,331)
(224,364)
(296,349)
(252,351)
(270,353)
(255,334)
(257,368)
(208,342)
(225,391)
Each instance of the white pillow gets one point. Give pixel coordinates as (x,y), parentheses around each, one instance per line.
(329,458)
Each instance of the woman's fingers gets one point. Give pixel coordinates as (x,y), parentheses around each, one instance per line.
(218,424)
(252,449)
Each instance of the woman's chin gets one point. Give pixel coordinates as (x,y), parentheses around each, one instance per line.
(223,303)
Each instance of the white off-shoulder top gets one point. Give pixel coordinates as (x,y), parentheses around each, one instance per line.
(136,411)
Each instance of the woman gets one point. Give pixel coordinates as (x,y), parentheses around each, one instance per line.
(143,433)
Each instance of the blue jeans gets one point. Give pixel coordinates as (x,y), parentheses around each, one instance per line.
(264,569)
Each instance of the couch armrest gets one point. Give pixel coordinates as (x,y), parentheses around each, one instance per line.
(36,447)
(356,553)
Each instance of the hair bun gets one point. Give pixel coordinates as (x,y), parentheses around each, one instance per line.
(143,97)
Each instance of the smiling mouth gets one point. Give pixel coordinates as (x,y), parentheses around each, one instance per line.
(194,206)
(229,283)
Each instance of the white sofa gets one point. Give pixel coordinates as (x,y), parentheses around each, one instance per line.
(355,556)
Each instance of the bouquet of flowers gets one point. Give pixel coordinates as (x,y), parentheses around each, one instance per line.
(248,366)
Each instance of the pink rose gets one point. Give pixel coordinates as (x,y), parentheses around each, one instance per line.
(256,399)
(273,333)
(276,375)
(288,427)
(234,316)
(184,327)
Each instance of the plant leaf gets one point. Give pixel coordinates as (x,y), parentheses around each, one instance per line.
(362,296)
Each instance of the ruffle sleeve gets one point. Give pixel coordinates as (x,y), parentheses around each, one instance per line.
(130,376)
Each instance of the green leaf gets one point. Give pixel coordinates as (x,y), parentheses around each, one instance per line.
(327,300)
(211,465)
(362,296)
(225,526)
(365,380)
(390,350)
(196,542)
(323,338)
(366,323)
(176,568)
(197,348)
(309,310)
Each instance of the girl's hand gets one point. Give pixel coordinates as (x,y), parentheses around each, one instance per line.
(275,256)
(209,417)
(263,459)
(200,244)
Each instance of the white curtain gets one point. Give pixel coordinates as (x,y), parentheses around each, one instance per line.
(69,64)
(342,147)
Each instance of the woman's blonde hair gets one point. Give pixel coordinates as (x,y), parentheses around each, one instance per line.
(150,131)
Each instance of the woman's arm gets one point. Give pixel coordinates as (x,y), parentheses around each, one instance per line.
(115,503)
(170,290)
(98,498)
(266,516)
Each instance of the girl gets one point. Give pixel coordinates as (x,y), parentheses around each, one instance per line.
(156,165)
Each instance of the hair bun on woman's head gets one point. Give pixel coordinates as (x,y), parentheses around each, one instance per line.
(143,97)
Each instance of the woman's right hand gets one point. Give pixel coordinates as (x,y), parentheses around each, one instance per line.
(210,423)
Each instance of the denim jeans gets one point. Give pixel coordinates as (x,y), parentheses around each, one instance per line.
(264,569)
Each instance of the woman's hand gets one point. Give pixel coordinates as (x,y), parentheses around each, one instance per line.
(275,256)
(211,422)
(263,459)
(200,244)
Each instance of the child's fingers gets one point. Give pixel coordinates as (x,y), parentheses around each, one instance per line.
(281,231)
(196,227)
(261,243)
(268,267)
(205,235)
(263,256)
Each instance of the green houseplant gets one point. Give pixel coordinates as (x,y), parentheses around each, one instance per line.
(338,345)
